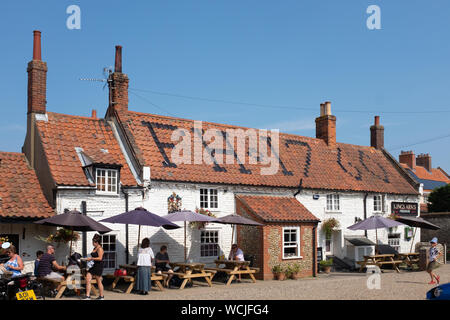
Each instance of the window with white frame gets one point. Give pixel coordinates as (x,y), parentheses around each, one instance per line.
(209,243)
(377,203)
(291,242)
(209,198)
(106,180)
(333,202)
(109,251)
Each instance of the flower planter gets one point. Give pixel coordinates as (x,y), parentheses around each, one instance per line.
(280,276)
(295,276)
(326,269)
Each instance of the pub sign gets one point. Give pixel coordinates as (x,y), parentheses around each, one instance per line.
(405,208)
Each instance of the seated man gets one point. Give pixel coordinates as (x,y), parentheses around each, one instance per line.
(236,254)
(162,263)
(47,264)
(39,255)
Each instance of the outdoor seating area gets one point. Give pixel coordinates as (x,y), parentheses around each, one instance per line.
(233,268)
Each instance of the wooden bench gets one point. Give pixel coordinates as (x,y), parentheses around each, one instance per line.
(157,278)
(239,268)
(188,276)
(64,284)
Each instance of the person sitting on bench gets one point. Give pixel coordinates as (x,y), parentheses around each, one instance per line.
(236,254)
(162,264)
(47,264)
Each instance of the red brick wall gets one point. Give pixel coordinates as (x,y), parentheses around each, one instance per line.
(120,91)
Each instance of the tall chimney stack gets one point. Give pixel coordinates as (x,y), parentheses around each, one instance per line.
(37,97)
(326,125)
(424,160)
(377,134)
(118,86)
(37,78)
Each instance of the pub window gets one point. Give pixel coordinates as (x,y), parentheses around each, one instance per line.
(377,203)
(209,243)
(209,198)
(106,180)
(291,242)
(109,251)
(333,203)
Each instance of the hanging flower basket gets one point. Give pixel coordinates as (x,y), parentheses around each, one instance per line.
(198,224)
(61,236)
(329,225)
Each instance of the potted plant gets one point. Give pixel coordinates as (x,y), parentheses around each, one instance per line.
(326,265)
(279,272)
(295,270)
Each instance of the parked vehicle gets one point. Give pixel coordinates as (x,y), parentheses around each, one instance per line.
(9,287)
(441,292)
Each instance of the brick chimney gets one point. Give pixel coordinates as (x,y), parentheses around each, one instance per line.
(119,85)
(37,78)
(424,160)
(408,158)
(37,94)
(326,125)
(377,134)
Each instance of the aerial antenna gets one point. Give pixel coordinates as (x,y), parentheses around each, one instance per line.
(106,74)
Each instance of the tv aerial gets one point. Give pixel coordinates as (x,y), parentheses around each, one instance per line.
(106,77)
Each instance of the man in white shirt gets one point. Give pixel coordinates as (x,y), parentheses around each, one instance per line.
(236,254)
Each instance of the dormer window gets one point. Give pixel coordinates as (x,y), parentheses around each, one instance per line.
(106,180)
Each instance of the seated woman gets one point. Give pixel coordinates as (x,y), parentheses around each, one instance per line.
(15,263)
(162,263)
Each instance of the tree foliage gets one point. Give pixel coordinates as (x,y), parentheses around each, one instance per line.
(439,199)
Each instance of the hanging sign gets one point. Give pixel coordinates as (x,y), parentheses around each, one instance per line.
(405,208)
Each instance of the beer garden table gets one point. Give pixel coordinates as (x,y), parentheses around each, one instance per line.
(410,258)
(189,271)
(131,277)
(379,260)
(235,267)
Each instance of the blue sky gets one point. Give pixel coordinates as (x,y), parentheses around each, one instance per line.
(279,53)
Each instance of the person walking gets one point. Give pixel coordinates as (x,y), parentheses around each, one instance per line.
(96,270)
(144,270)
(433,264)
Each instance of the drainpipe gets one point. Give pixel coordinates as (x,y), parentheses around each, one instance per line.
(84,243)
(126,227)
(314,251)
(365,211)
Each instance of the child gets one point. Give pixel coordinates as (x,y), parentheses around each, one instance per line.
(433,264)
(39,254)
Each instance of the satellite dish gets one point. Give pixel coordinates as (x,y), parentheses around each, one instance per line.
(6,245)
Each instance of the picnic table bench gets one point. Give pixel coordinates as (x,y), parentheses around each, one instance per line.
(380,260)
(409,258)
(70,280)
(233,268)
(131,277)
(190,271)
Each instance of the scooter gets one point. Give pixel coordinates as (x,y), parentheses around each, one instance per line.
(9,287)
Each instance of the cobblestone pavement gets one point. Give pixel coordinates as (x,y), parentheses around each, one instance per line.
(345,286)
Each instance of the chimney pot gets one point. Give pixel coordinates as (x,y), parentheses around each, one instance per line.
(377,134)
(118,63)
(94,114)
(326,125)
(37,45)
(377,120)
(408,158)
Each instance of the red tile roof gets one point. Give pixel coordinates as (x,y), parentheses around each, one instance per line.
(277,209)
(20,192)
(423,208)
(345,167)
(61,134)
(435,175)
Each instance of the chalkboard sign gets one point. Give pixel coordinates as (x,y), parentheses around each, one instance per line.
(319,254)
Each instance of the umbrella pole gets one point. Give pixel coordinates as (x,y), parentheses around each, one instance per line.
(70,249)
(412,243)
(232,233)
(185,248)
(139,236)
(376,241)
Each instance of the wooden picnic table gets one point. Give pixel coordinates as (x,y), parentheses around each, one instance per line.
(70,280)
(131,277)
(410,258)
(379,260)
(190,271)
(235,267)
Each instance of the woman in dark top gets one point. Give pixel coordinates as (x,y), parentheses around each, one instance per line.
(97,269)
